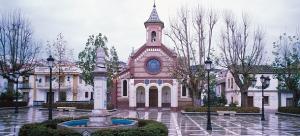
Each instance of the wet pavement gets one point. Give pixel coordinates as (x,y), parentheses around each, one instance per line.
(177,123)
(10,123)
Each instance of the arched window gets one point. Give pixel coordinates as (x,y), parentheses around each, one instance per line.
(153,36)
(124,88)
(184,91)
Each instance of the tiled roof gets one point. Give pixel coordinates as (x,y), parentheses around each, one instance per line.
(154,18)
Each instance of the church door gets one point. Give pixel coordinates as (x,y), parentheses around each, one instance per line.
(153,97)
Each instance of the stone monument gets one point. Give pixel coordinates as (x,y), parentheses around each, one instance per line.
(100,116)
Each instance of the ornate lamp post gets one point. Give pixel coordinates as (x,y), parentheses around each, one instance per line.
(50,65)
(265,82)
(208,63)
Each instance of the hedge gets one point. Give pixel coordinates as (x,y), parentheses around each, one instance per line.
(215,109)
(293,110)
(145,128)
(87,106)
(49,128)
(12,104)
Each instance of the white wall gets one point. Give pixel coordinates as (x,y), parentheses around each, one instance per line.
(81,92)
(284,96)
(257,99)
(270,91)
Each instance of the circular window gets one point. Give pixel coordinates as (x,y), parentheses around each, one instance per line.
(153,66)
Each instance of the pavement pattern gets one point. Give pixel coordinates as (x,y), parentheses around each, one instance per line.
(177,123)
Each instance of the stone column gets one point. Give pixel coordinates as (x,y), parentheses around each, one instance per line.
(159,96)
(100,93)
(147,97)
(100,116)
(131,95)
(174,94)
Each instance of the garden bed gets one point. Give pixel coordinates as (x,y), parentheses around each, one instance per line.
(78,105)
(49,128)
(292,110)
(12,104)
(215,109)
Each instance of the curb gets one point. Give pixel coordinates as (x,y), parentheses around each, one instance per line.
(7,108)
(287,114)
(215,113)
(82,110)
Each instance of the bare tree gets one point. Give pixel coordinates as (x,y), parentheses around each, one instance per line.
(17,50)
(192,36)
(241,53)
(63,55)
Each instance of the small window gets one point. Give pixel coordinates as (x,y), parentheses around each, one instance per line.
(266,100)
(231,83)
(153,36)
(228,83)
(80,79)
(124,88)
(40,80)
(68,79)
(86,94)
(92,95)
(184,91)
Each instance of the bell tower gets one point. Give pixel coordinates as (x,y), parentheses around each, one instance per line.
(154,28)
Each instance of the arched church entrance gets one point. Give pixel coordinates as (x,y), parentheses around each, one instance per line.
(153,96)
(166,96)
(140,97)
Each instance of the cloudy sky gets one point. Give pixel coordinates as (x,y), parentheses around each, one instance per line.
(122,20)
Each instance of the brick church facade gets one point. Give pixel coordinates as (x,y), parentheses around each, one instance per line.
(147,82)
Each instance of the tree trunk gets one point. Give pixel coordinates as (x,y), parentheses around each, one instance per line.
(295,98)
(10,87)
(193,98)
(244,96)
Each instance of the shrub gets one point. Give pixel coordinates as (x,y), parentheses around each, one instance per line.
(215,109)
(87,106)
(47,128)
(12,104)
(145,128)
(293,110)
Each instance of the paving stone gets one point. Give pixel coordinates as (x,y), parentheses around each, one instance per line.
(178,124)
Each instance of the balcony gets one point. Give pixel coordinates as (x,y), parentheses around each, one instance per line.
(54,86)
(24,86)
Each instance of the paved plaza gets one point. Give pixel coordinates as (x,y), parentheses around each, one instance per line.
(178,124)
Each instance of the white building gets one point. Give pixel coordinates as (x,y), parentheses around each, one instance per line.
(35,87)
(272,99)
(72,87)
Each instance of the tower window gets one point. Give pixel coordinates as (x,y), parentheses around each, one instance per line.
(153,36)
(124,88)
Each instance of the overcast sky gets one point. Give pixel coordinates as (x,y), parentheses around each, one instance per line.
(122,20)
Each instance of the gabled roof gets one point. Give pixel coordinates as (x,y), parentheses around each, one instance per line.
(169,52)
(260,69)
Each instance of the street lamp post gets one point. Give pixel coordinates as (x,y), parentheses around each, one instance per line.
(17,75)
(265,82)
(208,63)
(50,64)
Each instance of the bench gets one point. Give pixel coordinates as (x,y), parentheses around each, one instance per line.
(222,113)
(66,108)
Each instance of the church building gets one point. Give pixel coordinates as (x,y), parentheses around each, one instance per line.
(147,82)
